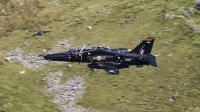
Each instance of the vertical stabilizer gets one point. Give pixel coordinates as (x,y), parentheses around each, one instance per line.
(145,46)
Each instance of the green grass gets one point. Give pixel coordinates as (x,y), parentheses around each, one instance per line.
(23,92)
(143,89)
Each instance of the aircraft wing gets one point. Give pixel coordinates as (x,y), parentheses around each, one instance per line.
(111,68)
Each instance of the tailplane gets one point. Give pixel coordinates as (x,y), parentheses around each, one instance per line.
(151,61)
(145,46)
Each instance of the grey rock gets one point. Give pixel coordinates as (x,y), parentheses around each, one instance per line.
(172,16)
(91,6)
(102,10)
(166,16)
(40,33)
(197,4)
(3,11)
(187,15)
(26,43)
(89,28)
(156,55)
(174,97)
(7,58)
(92,69)
(179,16)
(1,28)
(171,100)
(169,16)
(195,29)
(22,72)
(64,43)
(44,50)
(69,65)
(170,55)
(191,12)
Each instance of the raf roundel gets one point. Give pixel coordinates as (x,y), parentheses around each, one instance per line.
(99,58)
(69,57)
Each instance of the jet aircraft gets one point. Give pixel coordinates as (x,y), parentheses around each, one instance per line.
(111,60)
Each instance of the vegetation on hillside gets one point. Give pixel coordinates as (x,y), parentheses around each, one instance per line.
(173,86)
(23,15)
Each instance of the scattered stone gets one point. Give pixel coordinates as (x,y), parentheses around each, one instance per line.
(197,4)
(187,15)
(156,55)
(174,97)
(166,16)
(40,33)
(26,31)
(171,100)
(26,43)
(180,16)
(8,58)
(187,67)
(102,10)
(69,65)
(172,16)
(44,50)
(64,43)
(166,29)
(1,28)
(191,12)
(22,72)
(91,6)
(195,28)
(89,28)
(108,12)
(3,11)
(170,55)
(29,61)
(169,16)
(92,69)
(197,109)
(66,94)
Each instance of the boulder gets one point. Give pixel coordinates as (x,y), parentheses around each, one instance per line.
(197,4)
(89,28)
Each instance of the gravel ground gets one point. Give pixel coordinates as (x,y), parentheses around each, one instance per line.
(30,61)
(67,94)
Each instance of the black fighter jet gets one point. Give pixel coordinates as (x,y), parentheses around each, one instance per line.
(111,60)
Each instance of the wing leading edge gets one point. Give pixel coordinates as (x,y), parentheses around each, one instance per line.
(111,68)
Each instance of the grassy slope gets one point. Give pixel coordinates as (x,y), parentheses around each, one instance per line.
(144,89)
(23,92)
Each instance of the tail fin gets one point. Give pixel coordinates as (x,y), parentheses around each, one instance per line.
(145,46)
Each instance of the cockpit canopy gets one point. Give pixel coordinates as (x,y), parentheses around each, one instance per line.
(84,47)
(81,48)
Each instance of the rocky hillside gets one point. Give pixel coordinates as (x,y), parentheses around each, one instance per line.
(29,28)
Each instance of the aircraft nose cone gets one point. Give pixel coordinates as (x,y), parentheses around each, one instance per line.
(46,57)
(55,57)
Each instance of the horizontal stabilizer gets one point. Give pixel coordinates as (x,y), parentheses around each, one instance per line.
(151,61)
